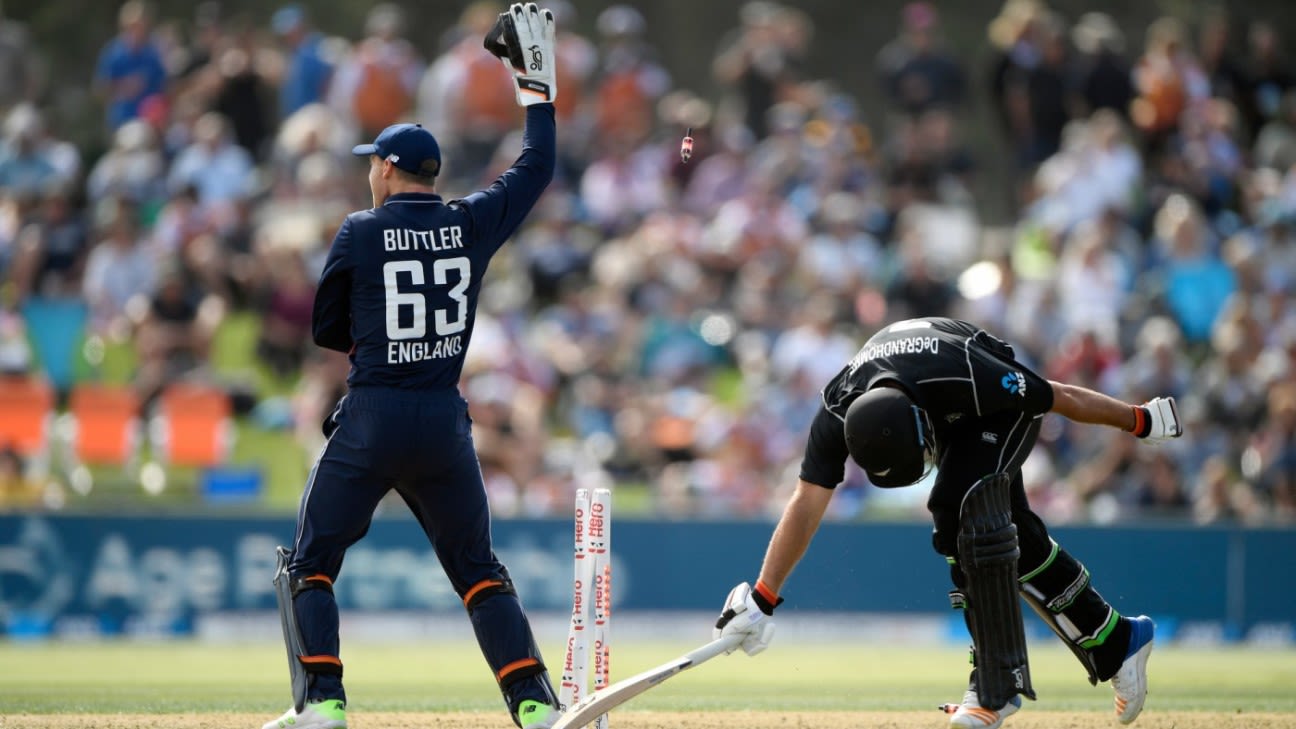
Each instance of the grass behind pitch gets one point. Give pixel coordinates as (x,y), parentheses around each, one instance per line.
(197,677)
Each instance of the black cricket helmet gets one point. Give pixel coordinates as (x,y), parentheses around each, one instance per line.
(890,437)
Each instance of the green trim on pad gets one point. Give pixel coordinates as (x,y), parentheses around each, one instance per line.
(1053,553)
(1102,635)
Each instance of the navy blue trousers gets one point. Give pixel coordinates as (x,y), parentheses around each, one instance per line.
(421,445)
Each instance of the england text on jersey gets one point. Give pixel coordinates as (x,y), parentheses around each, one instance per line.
(402,352)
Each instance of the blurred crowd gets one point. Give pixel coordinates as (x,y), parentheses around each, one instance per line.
(670,325)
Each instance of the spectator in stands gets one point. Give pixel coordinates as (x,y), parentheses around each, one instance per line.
(1015,51)
(759,63)
(1269,73)
(578,61)
(622,183)
(194,54)
(180,221)
(841,257)
(52,249)
(916,74)
(221,171)
(1196,283)
(629,80)
(1273,453)
(22,66)
(26,121)
(1224,71)
(1208,139)
(1103,79)
(1086,355)
(15,350)
(1092,281)
(308,68)
(119,268)
(508,429)
(173,334)
(321,384)
(1275,145)
(286,320)
(811,345)
(26,167)
(1219,495)
(375,85)
(1228,390)
(912,171)
(555,250)
(134,167)
(1168,79)
(917,289)
(130,71)
(1159,363)
(465,97)
(1160,488)
(1039,98)
(244,95)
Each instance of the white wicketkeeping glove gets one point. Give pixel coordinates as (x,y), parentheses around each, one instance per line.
(742,615)
(1162,419)
(524,39)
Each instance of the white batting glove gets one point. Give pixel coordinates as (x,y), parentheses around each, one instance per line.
(524,38)
(744,615)
(1158,419)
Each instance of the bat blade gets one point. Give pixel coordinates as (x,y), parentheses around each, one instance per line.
(606,699)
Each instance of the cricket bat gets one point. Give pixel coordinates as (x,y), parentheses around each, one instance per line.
(605,699)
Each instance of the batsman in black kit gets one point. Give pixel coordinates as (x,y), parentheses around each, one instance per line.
(399,294)
(942,393)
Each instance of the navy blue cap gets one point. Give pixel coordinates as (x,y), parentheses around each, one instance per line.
(408,146)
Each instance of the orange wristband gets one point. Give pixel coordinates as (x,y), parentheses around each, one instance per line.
(770,596)
(1141,426)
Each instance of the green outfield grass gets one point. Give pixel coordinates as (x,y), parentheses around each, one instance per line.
(193,677)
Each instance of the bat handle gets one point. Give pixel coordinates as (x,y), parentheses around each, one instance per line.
(723,644)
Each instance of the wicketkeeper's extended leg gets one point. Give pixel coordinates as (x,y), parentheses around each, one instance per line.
(502,629)
(301,664)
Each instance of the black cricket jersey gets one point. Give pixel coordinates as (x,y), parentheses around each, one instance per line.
(399,290)
(956,371)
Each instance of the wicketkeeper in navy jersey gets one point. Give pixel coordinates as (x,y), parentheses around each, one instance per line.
(399,294)
(943,393)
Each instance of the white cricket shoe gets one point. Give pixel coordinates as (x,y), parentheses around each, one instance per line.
(971,715)
(1130,682)
(326,714)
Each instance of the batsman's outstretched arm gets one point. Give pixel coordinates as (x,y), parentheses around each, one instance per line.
(792,536)
(1156,419)
(748,610)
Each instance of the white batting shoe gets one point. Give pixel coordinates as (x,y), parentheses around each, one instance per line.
(971,715)
(1130,682)
(326,714)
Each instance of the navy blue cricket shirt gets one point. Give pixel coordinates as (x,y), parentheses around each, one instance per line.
(399,290)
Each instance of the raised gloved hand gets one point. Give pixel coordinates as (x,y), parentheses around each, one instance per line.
(1157,419)
(747,613)
(524,39)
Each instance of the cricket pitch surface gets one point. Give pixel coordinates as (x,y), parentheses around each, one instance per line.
(672,720)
